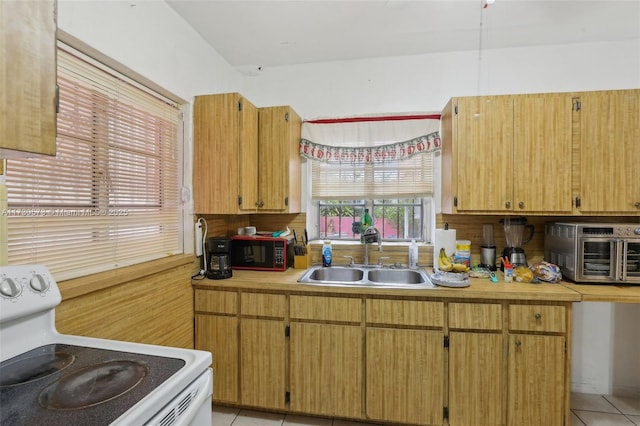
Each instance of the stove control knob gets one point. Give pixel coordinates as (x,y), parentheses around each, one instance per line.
(39,284)
(9,288)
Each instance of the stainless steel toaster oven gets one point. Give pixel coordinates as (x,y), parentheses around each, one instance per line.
(599,253)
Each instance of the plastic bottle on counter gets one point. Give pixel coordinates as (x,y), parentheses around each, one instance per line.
(413,255)
(367,221)
(326,253)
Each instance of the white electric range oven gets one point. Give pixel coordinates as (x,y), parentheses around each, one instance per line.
(48,378)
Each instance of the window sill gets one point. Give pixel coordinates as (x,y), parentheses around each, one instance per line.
(91,283)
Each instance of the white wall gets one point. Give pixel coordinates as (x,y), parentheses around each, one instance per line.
(151,39)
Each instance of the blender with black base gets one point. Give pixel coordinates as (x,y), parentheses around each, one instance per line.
(219,264)
(514,233)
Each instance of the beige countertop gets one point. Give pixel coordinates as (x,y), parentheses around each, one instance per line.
(479,289)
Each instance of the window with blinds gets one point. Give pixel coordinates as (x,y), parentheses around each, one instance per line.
(394,179)
(110,197)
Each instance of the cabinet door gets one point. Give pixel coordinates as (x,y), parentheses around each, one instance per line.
(542,153)
(609,153)
(248,157)
(262,367)
(405,375)
(219,335)
(326,369)
(279,166)
(476,373)
(484,153)
(28,78)
(536,382)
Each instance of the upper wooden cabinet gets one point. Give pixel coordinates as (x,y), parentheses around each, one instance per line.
(552,153)
(609,171)
(506,154)
(245,159)
(27,78)
(225,163)
(279,165)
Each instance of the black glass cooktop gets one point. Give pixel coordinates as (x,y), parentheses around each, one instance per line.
(69,385)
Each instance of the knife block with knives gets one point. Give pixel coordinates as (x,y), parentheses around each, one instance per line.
(301,254)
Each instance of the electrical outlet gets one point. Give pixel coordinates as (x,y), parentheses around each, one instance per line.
(198,232)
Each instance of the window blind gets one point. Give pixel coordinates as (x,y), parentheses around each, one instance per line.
(110,197)
(412,177)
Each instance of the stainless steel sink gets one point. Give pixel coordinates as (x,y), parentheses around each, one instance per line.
(403,276)
(366,276)
(336,274)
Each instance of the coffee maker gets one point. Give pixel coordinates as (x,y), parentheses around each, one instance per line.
(219,258)
(514,228)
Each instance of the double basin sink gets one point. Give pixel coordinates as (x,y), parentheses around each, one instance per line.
(367,276)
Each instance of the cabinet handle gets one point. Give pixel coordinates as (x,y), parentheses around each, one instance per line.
(521,204)
(637,204)
(261,204)
(538,316)
(508,204)
(518,343)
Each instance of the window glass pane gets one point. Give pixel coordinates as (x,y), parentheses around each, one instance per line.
(396,219)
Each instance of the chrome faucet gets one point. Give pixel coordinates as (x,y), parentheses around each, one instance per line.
(371,235)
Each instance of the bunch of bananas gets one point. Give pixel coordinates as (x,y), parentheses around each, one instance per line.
(445,264)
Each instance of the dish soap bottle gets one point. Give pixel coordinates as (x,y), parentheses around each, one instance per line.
(413,255)
(326,253)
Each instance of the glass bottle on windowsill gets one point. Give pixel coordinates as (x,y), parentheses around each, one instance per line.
(367,221)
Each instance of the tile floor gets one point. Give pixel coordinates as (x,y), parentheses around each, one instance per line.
(586,410)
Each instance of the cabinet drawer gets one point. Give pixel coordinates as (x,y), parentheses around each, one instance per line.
(323,308)
(214,301)
(537,318)
(262,305)
(404,312)
(478,316)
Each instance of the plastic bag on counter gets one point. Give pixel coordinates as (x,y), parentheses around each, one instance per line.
(545,271)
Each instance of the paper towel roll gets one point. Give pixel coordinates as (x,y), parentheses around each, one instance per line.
(444,238)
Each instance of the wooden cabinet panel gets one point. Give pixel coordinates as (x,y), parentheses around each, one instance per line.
(225,133)
(609,153)
(219,335)
(218,302)
(405,375)
(262,366)
(484,153)
(478,316)
(321,308)
(476,374)
(263,305)
(28,78)
(542,153)
(326,364)
(405,312)
(279,168)
(549,319)
(536,380)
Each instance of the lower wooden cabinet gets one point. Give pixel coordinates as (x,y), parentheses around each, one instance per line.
(219,335)
(476,379)
(536,380)
(262,363)
(326,369)
(390,360)
(405,375)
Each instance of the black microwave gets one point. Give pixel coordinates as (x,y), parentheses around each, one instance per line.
(260,253)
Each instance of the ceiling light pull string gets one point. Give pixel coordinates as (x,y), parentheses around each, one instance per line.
(482,6)
(481,33)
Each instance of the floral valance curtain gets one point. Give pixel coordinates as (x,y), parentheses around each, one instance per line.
(370,140)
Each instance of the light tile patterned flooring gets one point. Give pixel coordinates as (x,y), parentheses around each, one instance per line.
(586,410)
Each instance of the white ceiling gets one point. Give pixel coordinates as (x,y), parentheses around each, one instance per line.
(255,34)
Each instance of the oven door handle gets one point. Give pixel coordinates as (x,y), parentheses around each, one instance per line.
(622,255)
